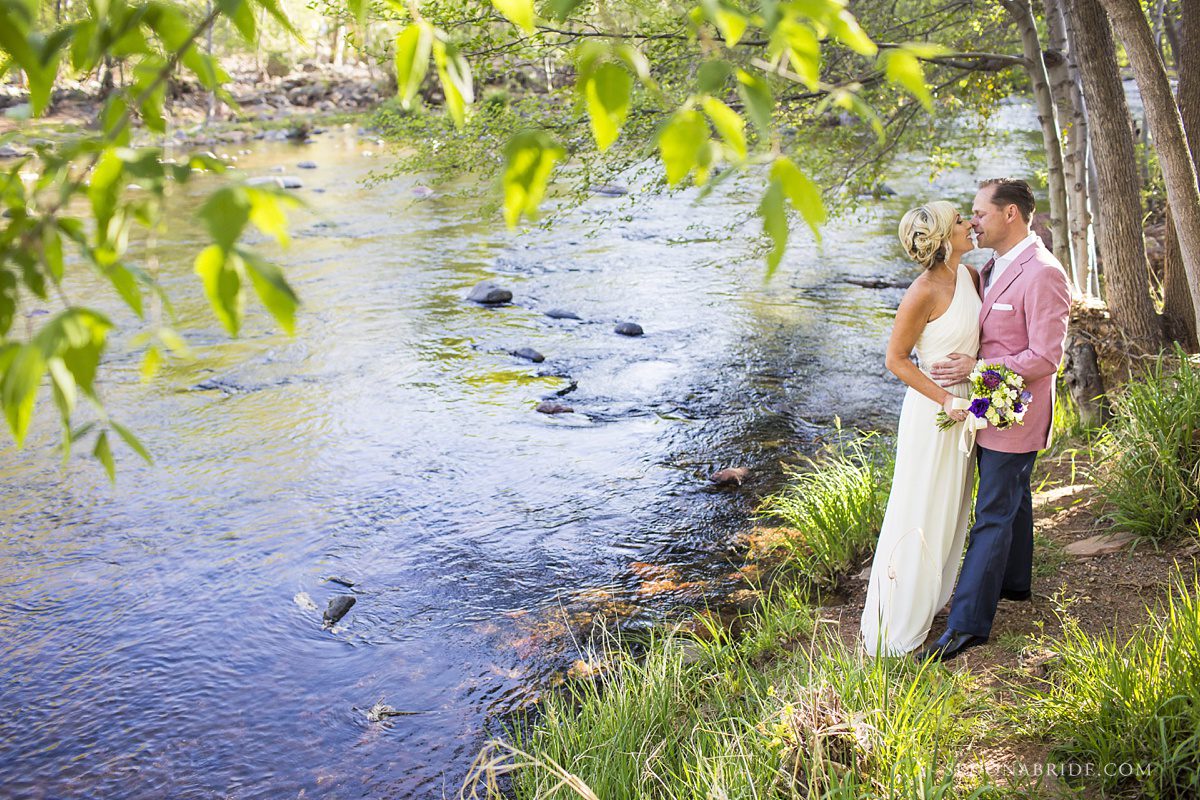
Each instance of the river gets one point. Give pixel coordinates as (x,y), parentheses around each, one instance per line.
(162,637)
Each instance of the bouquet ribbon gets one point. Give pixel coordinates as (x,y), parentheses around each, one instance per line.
(971,425)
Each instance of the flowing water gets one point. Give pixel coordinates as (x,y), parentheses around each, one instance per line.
(162,637)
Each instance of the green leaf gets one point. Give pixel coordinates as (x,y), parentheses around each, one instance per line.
(134,444)
(266,212)
(728,123)
(222,280)
(802,192)
(21,371)
(760,105)
(607,95)
(174,343)
(636,61)
(774,217)
(802,47)
(63,381)
(103,453)
(903,68)
(52,251)
(78,337)
(8,301)
(358,10)
(124,281)
(561,9)
(731,24)
(518,12)
(104,189)
(683,145)
(712,75)
(273,290)
(151,110)
(225,214)
(151,363)
(242,15)
(455,75)
(413,46)
(529,158)
(845,27)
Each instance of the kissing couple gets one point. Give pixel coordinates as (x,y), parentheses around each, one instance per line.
(1012,313)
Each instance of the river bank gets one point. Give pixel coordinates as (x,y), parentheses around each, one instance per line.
(783,702)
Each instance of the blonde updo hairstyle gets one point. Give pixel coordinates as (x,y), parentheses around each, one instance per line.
(925,232)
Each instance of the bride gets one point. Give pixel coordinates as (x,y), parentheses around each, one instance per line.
(921,541)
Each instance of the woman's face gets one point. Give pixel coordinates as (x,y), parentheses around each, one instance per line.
(960,236)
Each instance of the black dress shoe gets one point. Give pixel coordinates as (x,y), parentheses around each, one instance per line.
(1008,594)
(950,644)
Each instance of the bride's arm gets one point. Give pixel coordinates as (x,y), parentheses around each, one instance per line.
(911,318)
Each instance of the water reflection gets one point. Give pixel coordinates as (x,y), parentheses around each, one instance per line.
(151,639)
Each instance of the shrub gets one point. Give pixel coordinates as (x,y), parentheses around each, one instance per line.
(1150,451)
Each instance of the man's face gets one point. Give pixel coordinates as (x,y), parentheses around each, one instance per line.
(989,221)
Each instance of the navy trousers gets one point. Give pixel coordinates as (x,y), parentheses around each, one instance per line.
(1000,549)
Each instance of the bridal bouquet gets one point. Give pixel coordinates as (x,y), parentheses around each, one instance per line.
(998,398)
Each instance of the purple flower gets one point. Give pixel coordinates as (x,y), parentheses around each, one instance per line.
(1026,397)
(991,378)
(980,406)
(1018,408)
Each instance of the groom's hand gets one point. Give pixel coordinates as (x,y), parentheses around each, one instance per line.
(954,370)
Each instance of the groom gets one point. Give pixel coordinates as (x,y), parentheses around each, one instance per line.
(1023,323)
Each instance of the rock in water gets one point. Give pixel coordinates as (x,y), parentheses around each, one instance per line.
(629,329)
(550,407)
(490,294)
(290,182)
(562,313)
(338,606)
(530,353)
(733,475)
(610,190)
(422,192)
(307,165)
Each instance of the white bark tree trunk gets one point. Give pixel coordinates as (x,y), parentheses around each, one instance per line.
(1068,94)
(1021,13)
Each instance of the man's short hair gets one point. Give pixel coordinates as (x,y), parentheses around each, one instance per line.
(1012,191)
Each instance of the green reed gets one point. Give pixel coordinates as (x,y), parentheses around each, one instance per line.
(1150,451)
(1127,712)
(790,715)
(836,502)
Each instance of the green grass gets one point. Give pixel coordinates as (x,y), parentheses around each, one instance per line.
(1150,451)
(756,717)
(1135,703)
(836,501)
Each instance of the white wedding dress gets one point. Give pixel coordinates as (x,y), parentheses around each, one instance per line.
(921,542)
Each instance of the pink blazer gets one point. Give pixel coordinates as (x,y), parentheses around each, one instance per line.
(1023,325)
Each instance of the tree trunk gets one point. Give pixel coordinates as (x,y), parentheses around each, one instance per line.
(1068,93)
(1082,379)
(1117,195)
(1162,115)
(1179,317)
(1179,321)
(1022,14)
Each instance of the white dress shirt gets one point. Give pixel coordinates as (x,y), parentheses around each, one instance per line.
(1009,256)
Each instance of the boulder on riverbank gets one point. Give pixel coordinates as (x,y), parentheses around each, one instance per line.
(628,329)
